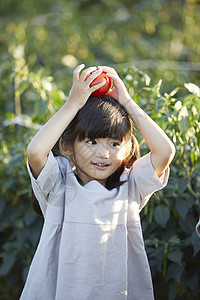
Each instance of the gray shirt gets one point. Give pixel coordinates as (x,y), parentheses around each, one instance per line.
(91,246)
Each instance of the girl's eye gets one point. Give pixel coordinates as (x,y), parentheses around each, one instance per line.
(115,144)
(91,142)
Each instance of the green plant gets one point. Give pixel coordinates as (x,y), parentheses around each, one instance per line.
(170,217)
(20,227)
(168,220)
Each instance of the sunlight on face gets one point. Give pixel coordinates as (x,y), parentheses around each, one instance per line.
(98,159)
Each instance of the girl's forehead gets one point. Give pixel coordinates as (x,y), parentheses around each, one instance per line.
(103,135)
(113,131)
(107,139)
(102,139)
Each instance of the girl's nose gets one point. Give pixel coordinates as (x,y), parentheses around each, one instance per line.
(102,152)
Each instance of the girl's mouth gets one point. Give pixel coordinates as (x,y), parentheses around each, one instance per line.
(101,166)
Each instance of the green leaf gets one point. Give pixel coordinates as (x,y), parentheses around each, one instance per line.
(182,184)
(29,217)
(19,224)
(189,226)
(197,103)
(195,242)
(23,86)
(175,256)
(57,98)
(183,205)
(174,240)
(172,293)
(175,271)
(193,283)
(183,119)
(2,205)
(159,103)
(162,215)
(8,262)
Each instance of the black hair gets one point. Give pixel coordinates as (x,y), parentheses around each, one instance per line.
(99,118)
(102,117)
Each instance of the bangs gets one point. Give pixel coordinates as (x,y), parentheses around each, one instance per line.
(99,118)
(102,119)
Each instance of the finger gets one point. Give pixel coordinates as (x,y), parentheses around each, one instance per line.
(117,83)
(108,69)
(97,86)
(110,92)
(86,72)
(95,74)
(77,71)
(115,78)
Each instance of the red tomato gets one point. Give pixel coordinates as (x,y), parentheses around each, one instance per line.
(104,89)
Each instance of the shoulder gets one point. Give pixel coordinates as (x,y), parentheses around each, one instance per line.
(55,167)
(143,162)
(143,180)
(63,164)
(141,165)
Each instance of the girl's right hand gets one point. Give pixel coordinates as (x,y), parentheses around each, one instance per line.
(119,91)
(81,89)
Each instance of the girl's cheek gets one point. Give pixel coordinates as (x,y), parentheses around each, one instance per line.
(121,154)
(124,152)
(126,149)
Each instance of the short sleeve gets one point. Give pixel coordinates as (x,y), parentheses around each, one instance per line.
(143,180)
(53,173)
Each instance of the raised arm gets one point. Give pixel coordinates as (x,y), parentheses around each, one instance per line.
(48,135)
(162,149)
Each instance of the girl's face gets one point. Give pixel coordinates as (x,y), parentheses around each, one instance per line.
(99,158)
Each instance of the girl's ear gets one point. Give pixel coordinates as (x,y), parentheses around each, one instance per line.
(65,148)
(134,153)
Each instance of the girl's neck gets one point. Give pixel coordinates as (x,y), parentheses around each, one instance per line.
(82,183)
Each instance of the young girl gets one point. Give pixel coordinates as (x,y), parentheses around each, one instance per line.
(91,245)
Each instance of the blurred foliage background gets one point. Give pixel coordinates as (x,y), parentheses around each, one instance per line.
(155,46)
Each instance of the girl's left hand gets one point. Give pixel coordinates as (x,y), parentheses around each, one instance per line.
(119,91)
